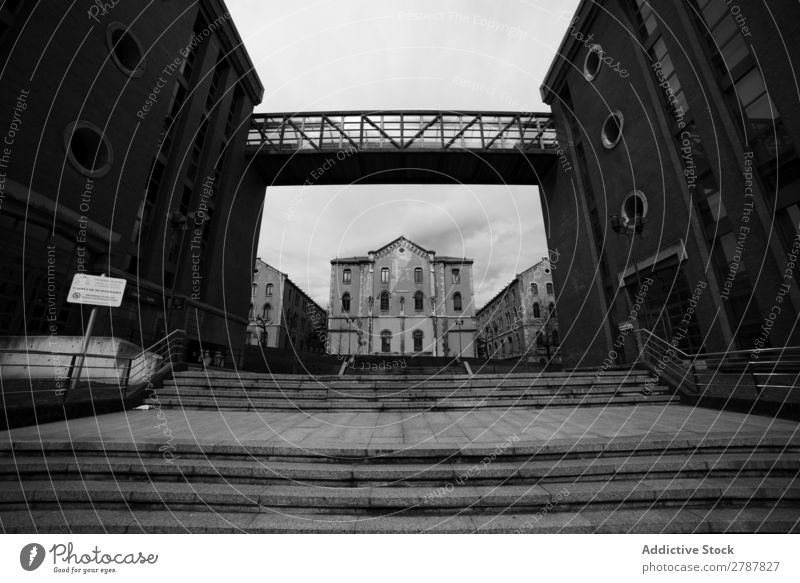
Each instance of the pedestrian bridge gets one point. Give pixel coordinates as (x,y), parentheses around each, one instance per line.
(402,147)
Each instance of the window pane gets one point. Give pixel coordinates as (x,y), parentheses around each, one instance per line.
(728,243)
(717,208)
(644,8)
(659,48)
(715,10)
(750,87)
(724,31)
(650,24)
(735,52)
(761,109)
(666,66)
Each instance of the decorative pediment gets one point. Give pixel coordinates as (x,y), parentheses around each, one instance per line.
(401,245)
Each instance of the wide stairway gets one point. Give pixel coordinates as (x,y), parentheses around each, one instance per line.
(208,389)
(516,455)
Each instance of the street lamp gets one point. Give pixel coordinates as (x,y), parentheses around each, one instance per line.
(179,223)
(630,228)
(458,324)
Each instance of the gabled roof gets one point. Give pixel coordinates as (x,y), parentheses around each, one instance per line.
(401,240)
(405,242)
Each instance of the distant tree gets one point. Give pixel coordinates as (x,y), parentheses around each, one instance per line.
(548,337)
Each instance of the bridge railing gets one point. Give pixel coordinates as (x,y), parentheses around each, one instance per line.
(402,130)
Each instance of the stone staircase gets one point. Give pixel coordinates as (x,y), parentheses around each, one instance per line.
(221,390)
(623,485)
(564,454)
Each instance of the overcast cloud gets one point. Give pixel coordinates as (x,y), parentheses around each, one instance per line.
(353,55)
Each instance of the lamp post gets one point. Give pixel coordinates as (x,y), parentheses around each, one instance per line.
(179,223)
(459,324)
(630,228)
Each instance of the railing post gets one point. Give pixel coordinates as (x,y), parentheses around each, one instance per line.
(637,334)
(128,376)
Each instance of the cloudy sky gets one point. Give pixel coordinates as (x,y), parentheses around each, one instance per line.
(416,54)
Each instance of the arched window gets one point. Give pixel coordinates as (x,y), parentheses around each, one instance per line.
(417,340)
(385,275)
(535,289)
(537,312)
(345,302)
(347,276)
(549,289)
(385,301)
(269,289)
(386,341)
(456,273)
(266,312)
(419,302)
(457,302)
(417,275)
(510,345)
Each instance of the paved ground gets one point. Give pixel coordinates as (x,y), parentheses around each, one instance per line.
(405,430)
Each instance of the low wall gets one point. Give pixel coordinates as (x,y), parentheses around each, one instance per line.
(46,357)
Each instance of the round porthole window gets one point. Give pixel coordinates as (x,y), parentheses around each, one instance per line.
(88,149)
(611,133)
(125,49)
(634,205)
(593,62)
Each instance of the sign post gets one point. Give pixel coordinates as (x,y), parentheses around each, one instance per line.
(94,291)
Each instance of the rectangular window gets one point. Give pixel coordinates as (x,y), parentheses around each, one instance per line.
(418,275)
(456,276)
(675,97)
(255,290)
(346,276)
(385,275)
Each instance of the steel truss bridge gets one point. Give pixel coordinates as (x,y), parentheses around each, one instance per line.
(402,147)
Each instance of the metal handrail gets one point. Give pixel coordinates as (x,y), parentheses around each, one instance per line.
(742,374)
(667,361)
(126,367)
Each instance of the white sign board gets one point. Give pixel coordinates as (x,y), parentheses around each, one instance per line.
(96,290)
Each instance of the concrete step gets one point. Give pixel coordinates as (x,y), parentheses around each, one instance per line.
(255,404)
(498,473)
(596,448)
(645,521)
(404,393)
(404,381)
(568,496)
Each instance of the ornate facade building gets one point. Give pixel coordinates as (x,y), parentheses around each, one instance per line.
(281,314)
(402,299)
(520,321)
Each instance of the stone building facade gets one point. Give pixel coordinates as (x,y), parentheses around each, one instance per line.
(521,320)
(124,154)
(281,314)
(403,300)
(678,207)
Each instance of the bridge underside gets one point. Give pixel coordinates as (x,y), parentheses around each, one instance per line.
(403,167)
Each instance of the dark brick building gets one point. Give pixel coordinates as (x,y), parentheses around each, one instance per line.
(123,134)
(683,114)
